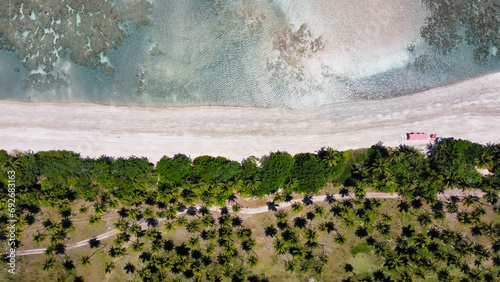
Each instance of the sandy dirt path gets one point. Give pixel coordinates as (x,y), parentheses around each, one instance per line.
(257,210)
(467,110)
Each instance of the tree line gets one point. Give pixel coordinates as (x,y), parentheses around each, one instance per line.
(44,178)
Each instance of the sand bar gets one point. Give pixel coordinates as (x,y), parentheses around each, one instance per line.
(468,110)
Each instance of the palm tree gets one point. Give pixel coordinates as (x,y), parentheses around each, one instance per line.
(169,226)
(406,276)
(181,221)
(39,237)
(99,208)
(319,210)
(279,198)
(153,234)
(280,246)
(194,242)
(52,226)
(330,157)
(209,235)
(116,252)
(485,161)
(58,237)
(210,249)
(83,210)
(244,233)
(109,267)
(348,222)
(208,221)
(323,227)
(383,228)
(48,264)
(386,218)
(290,265)
(444,275)
(134,214)
(135,229)
(281,216)
(297,207)
(193,226)
(253,261)
(491,197)
(470,200)
(229,249)
(144,273)
(421,240)
(85,260)
(464,218)
(49,251)
(121,238)
(311,235)
(340,239)
(148,212)
(226,233)
(236,208)
(171,211)
(393,261)
(380,248)
(137,246)
(248,245)
(122,225)
(94,220)
(113,203)
(452,207)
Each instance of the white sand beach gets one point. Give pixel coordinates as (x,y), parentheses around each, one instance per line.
(467,110)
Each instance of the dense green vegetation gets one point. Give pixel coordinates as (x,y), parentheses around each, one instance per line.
(213,180)
(207,246)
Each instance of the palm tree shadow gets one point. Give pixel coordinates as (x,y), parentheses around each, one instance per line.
(330,198)
(129,268)
(152,222)
(181,207)
(224,210)
(307,200)
(272,206)
(232,198)
(60,249)
(94,242)
(192,211)
(204,211)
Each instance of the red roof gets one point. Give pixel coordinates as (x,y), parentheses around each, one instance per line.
(417,136)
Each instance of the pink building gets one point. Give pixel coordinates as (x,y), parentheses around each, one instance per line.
(416,136)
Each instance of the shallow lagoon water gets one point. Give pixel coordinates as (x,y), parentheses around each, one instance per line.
(262,54)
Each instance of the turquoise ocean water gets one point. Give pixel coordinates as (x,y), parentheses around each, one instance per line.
(276,53)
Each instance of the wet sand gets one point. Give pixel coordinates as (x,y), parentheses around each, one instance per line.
(466,110)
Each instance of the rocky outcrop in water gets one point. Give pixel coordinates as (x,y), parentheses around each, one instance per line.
(42,32)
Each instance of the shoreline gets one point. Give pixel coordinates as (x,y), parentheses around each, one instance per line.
(465,110)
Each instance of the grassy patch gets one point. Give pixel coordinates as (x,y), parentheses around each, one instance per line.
(364,263)
(360,248)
